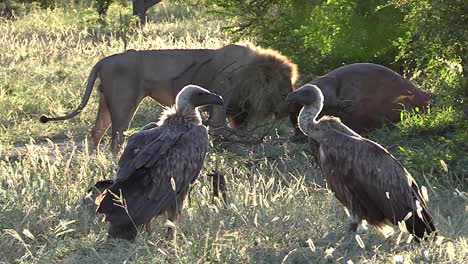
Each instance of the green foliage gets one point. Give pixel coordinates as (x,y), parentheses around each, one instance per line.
(319,35)
(41,3)
(433,143)
(434,47)
(120,19)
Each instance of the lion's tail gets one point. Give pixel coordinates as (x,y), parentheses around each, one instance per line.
(89,88)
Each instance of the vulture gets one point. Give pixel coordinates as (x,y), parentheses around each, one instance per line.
(373,186)
(157,166)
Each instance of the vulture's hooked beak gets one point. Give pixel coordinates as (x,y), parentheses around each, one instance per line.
(293,97)
(308,94)
(216,99)
(208,99)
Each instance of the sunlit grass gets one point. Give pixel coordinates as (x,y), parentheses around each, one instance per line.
(279,208)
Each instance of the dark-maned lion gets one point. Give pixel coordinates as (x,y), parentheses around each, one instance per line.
(253,82)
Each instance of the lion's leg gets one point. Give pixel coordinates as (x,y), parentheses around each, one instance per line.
(122,114)
(217,122)
(103,122)
(217,116)
(118,128)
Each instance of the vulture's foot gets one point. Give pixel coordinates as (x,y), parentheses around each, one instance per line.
(218,182)
(353,226)
(347,240)
(173,217)
(128,232)
(170,233)
(352,236)
(356,227)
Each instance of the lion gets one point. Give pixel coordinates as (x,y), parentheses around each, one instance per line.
(253,81)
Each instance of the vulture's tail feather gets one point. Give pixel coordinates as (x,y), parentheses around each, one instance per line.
(423,223)
(419,226)
(113,205)
(128,232)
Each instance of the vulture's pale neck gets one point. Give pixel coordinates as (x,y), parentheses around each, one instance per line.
(189,113)
(308,118)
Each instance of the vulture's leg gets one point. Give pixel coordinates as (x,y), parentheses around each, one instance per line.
(356,226)
(148,226)
(353,226)
(218,182)
(349,237)
(173,214)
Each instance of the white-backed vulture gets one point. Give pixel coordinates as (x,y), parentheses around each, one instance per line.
(364,176)
(158,165)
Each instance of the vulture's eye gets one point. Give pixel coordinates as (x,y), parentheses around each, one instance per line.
(200,93)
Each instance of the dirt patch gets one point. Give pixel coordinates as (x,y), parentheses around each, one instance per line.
(49,148)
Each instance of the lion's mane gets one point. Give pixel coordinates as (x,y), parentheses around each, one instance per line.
(265,82)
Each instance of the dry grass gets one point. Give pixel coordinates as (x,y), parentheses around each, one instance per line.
(279,208)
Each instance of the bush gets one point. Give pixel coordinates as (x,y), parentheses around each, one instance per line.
(434,47)
(318,35)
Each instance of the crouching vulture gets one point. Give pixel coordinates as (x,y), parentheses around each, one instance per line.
(364,176)
(158,165)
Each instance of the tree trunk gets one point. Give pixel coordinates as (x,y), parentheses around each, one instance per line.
(7,10)
(101,7)
(141,6)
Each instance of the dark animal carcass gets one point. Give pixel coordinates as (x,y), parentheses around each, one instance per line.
(365,94)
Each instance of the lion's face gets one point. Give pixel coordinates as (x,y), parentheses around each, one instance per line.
(277,103)
(260,87)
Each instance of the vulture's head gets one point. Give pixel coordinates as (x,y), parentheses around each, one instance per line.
(193,96)
(308,95)
(311,98)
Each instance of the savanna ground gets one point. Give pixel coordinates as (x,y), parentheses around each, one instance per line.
(279,209)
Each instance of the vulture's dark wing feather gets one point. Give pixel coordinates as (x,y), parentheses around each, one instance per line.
(361,171)
(146,147)
(329,122)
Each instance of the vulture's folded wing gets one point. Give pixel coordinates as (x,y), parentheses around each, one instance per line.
(180,166)
(171,175)
(146,147)
(368,172)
